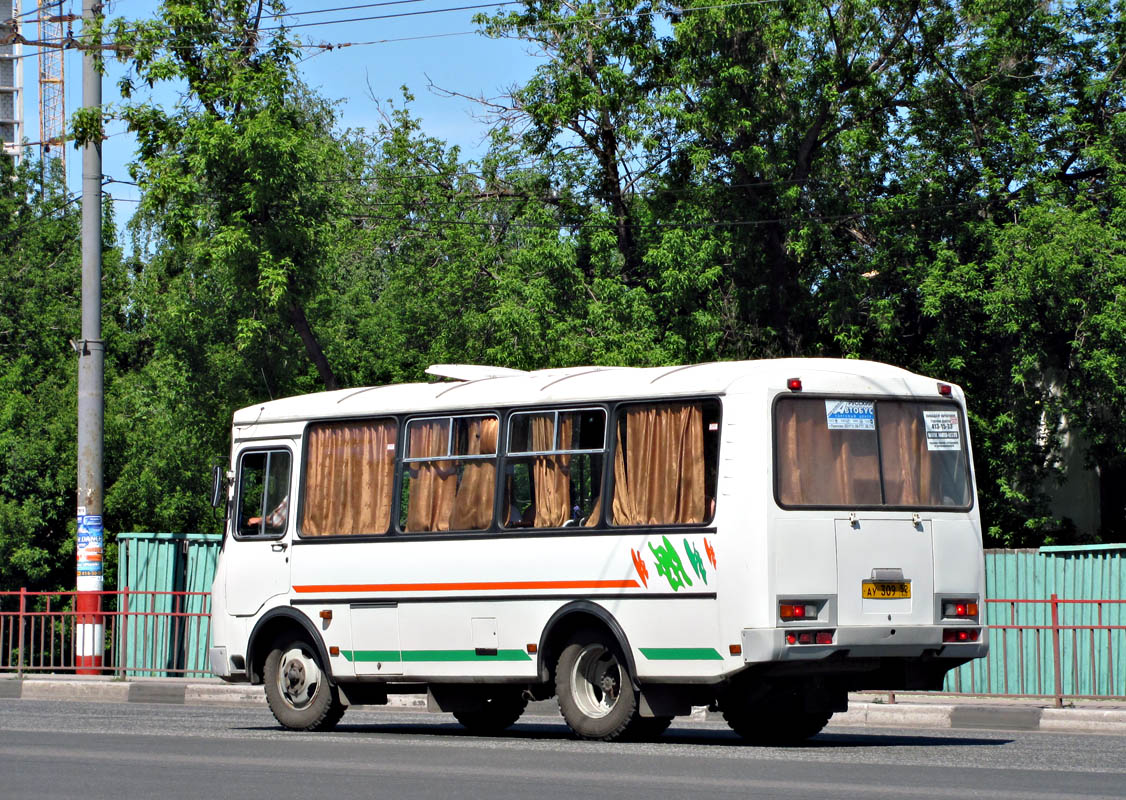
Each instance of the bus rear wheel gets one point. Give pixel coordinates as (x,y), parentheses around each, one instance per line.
(594,686)
(770,727)
(646,729)
(297,687)
(499,711)
(772,716)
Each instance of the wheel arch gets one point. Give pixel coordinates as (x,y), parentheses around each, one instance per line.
(272,624)
(570,618)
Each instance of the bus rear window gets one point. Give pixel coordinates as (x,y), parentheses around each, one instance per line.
(870,453)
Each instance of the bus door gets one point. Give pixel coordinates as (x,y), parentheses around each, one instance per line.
(256,554)
(885,573)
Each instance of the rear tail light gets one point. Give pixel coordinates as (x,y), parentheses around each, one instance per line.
(797,611)
(957,635)
(945,389)
(793,384)
(960,609)
(809,637)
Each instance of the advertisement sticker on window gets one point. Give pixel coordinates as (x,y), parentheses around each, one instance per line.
(850,415)
(942,430)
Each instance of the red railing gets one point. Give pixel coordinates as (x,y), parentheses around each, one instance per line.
(144,633)
(1055,648)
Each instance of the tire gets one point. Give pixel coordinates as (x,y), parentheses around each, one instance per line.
(775,728)
(771,718)
(646,729)
(298,689)
(594,686)
(501,710)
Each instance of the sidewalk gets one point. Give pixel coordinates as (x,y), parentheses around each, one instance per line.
(866,709)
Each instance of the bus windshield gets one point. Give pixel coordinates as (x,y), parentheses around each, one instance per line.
(838,452)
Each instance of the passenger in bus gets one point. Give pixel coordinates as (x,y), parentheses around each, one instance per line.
(522,519)
(275,520)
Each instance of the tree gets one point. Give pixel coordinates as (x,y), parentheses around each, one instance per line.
(40,270)
(234,177)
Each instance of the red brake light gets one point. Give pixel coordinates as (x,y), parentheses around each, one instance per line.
(966,609)
(794,384)
(787,611)
(809,637)
(945,389)
(957,635)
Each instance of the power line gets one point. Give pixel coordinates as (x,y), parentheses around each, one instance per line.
(559,24)
(71,43)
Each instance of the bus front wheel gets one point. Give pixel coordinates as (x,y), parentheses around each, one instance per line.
(594,686)
(297,687)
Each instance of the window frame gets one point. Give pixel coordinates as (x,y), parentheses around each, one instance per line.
(235,517)
(522,456)
(876,400)
(397,530)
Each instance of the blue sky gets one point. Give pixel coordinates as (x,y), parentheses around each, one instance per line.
(466,62)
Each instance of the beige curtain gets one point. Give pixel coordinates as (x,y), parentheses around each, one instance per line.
(432,484)
(551,474)
(659,474)
(904,445)
(349,471)
(473,502)
(819,466)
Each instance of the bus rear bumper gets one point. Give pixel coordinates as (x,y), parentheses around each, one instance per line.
(765,645)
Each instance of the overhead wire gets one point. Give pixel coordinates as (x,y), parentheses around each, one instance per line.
(575,20)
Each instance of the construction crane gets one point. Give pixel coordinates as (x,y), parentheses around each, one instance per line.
(52,94)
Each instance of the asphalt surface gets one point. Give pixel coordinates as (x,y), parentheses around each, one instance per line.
(82,749)
(865,709)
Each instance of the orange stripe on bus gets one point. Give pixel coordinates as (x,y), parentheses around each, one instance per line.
(475,586)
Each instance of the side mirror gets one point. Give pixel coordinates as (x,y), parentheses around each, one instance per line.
(218,487)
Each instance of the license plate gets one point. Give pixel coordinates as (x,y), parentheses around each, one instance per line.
(885,590)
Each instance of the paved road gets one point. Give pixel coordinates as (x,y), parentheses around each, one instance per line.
(137,750)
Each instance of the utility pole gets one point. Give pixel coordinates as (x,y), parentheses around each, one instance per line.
(90,630)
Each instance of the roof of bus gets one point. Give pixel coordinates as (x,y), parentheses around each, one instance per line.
(588,384)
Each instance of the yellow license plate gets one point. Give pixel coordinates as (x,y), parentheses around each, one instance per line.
(885,590)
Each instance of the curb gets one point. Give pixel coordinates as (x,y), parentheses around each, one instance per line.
(983,717)
(958,716)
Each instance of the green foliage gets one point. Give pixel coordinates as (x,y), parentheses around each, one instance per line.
(40,270)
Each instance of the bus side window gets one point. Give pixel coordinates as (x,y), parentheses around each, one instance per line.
(263,498)
(665,463)
(553,470)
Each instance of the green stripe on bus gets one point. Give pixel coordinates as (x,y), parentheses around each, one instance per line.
(464,655)
(681,653)
(432,655)
(371,655)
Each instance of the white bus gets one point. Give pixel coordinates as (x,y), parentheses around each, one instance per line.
(758,536)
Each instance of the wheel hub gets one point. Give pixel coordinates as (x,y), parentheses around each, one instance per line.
(596,681)
(298,677)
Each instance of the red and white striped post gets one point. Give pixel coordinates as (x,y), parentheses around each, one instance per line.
(89,630)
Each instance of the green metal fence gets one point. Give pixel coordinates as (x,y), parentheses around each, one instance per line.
(164,629)
(1057,620)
